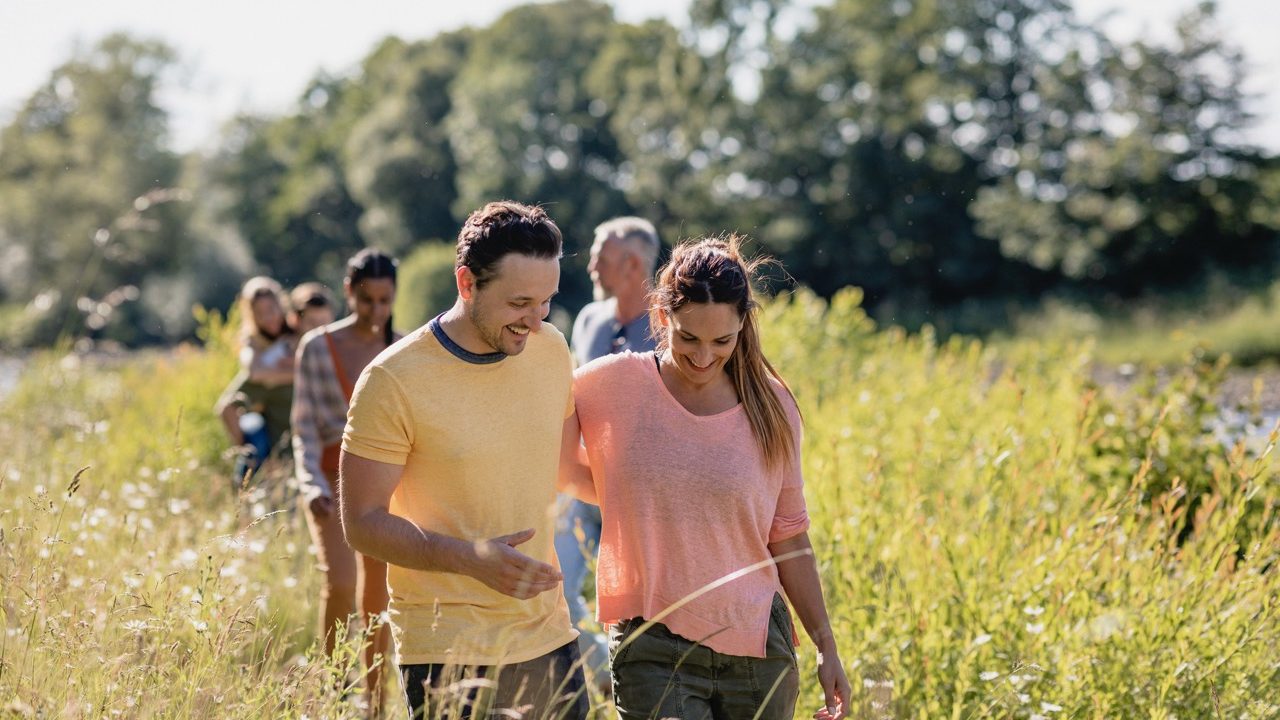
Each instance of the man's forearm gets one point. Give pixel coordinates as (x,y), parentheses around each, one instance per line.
(398,541)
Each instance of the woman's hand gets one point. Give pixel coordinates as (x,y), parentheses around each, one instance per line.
(835,686)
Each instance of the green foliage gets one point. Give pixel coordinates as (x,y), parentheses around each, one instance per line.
(92,215)
(425,285)
(996,545)
(955,160)
(400,163)
(998,536)
(1163,331)
(1148,187)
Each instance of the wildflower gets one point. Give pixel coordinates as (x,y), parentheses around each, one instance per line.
(988,675)
(1050,707)
(982,639)
(1033,611)
(1035,628)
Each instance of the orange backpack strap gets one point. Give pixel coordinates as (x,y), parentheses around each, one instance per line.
(347,389)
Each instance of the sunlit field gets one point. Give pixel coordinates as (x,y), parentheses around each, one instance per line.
(998,537)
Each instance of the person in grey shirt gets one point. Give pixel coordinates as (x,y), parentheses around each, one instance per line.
(624,257)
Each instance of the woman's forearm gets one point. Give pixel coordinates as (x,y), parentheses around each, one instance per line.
(798,573)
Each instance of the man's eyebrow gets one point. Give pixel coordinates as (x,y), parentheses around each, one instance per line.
(519,298)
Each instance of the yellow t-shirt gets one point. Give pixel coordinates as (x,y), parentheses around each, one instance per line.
(480,444)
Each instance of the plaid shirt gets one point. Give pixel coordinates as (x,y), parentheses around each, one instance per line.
(319,412)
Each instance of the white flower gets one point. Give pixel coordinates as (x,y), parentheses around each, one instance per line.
(982,639)
(1050,707)
(988,675)
(1035,628)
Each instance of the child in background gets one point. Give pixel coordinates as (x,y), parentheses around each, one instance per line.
(255,406)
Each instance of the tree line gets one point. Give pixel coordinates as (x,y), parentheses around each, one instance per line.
(952,159)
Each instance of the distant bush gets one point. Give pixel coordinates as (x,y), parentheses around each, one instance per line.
(1166,330)
(425,286)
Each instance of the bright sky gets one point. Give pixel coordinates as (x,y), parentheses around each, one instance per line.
(257,55)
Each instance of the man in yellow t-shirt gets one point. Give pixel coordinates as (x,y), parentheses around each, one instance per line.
(448,473)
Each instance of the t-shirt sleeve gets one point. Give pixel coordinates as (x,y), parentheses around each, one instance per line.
(791,516)
(569,366)
(379,423)
(587,386)
(577,348)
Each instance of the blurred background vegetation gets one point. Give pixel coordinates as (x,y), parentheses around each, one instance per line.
(985,166)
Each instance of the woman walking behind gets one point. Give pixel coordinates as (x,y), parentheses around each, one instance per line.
(330,359)
(255,406)
(695,455)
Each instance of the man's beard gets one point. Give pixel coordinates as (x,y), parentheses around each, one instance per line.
(493,340)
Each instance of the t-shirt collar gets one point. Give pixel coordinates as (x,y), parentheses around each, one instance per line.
(457,350)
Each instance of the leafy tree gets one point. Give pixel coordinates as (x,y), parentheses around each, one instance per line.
(399,160)
(425,284)
(89,212)
(1152,186)
(524,125)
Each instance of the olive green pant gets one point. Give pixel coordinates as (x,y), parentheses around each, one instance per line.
(658,674)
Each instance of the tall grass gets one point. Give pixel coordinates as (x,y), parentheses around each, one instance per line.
(1000,538)
(132,582)
(997,536)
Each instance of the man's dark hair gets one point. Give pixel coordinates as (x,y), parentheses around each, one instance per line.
(505,227)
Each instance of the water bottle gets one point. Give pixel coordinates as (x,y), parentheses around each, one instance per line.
(254,428)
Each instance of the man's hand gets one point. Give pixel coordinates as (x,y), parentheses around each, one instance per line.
(500,566)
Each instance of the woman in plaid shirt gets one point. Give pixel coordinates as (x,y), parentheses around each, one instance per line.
(329,361)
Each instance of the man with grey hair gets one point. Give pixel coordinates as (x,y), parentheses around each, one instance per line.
(624,256)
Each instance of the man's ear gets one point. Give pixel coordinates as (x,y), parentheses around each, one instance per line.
(466,282)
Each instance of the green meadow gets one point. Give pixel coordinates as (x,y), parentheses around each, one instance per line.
(998,536)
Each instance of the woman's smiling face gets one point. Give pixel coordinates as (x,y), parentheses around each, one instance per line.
(702,337)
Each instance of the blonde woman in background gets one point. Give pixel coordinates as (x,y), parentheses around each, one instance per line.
(255,406)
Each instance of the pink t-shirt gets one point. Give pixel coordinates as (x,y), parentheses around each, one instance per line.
(685,501)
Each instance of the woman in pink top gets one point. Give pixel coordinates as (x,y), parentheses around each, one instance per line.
(694,452)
